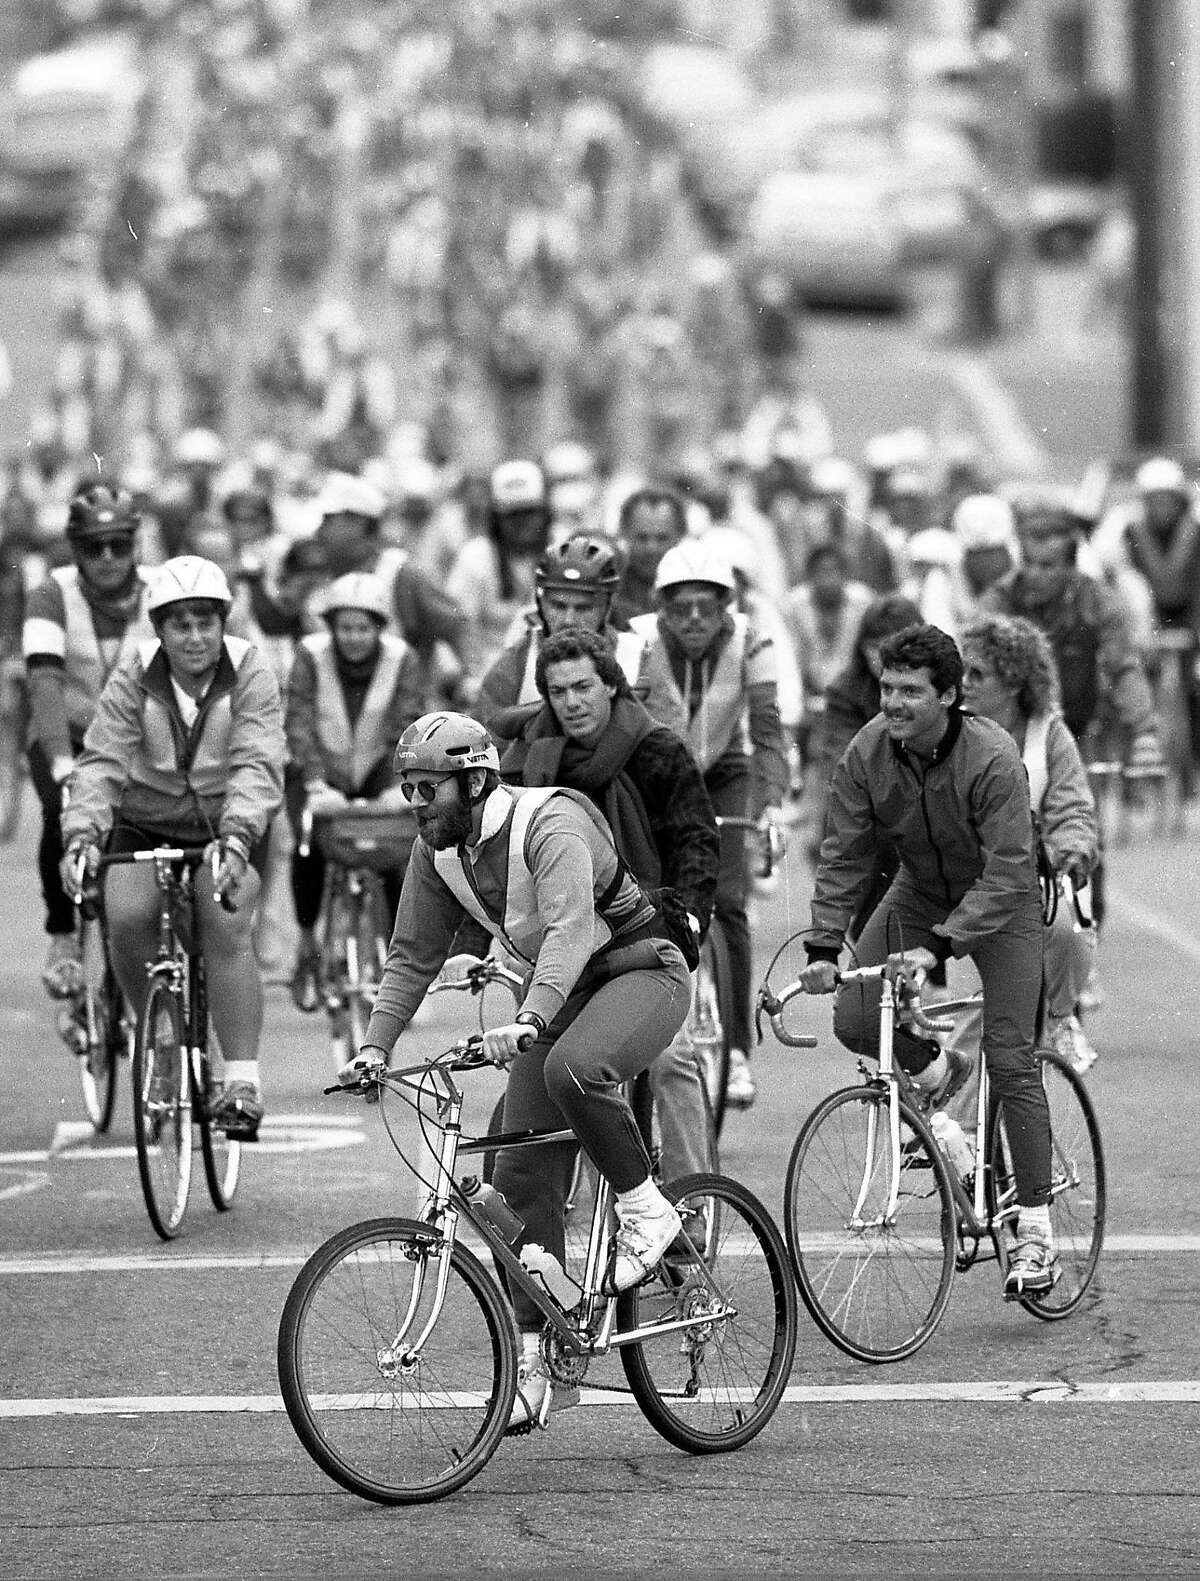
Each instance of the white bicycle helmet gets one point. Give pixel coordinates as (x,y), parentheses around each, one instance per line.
(361,590)
(984,521)
(1161,475)
(693,560)
(443,743)
(185,577)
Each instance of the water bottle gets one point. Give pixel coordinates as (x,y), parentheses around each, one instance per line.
(553,1275)
(960,1155)
(492,1205)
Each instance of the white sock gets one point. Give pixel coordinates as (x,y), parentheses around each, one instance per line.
(646,1198)
(242,1070)
(1035,1221)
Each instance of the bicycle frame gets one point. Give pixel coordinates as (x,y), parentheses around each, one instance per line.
(593,1332)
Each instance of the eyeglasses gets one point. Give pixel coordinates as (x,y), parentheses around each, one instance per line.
(421,790)
(116,548)
(705,605)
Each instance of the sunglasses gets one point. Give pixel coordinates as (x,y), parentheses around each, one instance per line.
(115,548)
(706,605)
(421,790)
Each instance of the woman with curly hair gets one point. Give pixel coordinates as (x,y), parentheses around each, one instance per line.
(1011,677)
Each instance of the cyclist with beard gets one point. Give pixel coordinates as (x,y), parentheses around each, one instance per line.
(80,623)
(950,793)
(607,989)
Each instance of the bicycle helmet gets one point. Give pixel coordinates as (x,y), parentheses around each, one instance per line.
(1161,475)
(694,561)
(581,561)
(360,590)
(444,743)
(347,494)
(517,486)
(983,521)
(100,510)
(187,577)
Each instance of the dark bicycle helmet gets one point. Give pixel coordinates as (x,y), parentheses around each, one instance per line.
(101,510)
(583,560)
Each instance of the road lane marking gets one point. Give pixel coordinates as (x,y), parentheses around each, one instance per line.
(73,1262)
(998,414)
(74,1141)
(1043,1391)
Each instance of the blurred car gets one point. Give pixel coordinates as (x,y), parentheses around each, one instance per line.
(854,197)
(63,117)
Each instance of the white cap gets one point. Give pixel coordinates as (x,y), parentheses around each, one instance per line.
(831,476)
(361,590)
(518,486)
(694,560)
(1160,475)
(984,521)
(568,461)
(346,494)
(934,546)
(200,447)
(187,576)
(414,478)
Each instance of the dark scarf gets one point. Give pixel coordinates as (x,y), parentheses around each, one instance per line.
(544,756)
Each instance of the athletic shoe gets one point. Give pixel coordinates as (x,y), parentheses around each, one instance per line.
(740,1091)
(62,975)
(639,1244)
(1066,1036)
(535,1398)
(1033,1268)
(238,1111)
(958,1068)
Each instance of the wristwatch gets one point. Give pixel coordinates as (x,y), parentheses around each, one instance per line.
(530,1018)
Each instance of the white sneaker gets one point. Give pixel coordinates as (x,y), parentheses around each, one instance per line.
(740,1091)
(1068,1038)
(536,1396)
(638,1248)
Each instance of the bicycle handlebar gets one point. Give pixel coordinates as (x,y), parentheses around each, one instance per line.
(489,970)
(467,1054)
(907,982)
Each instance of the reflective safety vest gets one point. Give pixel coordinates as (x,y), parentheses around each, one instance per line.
(718,722)
(350,752)
(520,929)
(88,663)
(204,759)
(629,650)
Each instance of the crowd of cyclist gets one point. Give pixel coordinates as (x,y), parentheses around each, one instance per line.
(210,656)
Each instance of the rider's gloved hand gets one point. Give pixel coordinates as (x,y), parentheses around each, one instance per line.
(322,799)
(80,862)
(229,859)
(819,977)
(913,960)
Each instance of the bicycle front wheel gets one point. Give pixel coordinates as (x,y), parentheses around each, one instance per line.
(162,1110)
(392,1423)
(708,1024)
(875,1274)
(713,1385)
(101,1014)
(1078,1193)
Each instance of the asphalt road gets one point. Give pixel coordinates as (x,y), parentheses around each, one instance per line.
(141,1430)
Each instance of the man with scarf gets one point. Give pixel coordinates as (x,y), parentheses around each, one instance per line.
(80,623)
(592,735)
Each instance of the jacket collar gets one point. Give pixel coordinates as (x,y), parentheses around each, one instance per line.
(157,679)
(945,746)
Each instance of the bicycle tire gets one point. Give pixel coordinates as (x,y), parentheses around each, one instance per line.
(708,1020)
(714,1386)
(221,1154)
(162,1117)
(103,1021)
(433,1425)
(1079,1200)
(877,1290)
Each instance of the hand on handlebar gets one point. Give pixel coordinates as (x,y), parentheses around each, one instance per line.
(819,977)
(457,970)
(503,1044)
(80,863)
(916,962)
(228,871)
(364,1069)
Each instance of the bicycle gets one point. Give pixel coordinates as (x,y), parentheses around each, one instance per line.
(361,842)
(709,1018)
(1120,789)
(877,1220)
(397,1351)
(95,1023)
(172,1069)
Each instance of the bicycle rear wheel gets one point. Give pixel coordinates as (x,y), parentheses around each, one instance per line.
(1079,1198)
(875,1282)
(714,1385)
(390,1425)
(162,1110)
(101,1016)
(708,1023)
